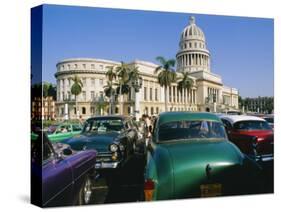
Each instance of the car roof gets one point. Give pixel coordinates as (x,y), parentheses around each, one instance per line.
(110,117)
(180,116)
(235,118)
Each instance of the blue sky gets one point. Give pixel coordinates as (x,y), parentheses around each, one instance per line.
(241,48)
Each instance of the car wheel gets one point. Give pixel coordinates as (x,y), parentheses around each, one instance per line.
(86,191)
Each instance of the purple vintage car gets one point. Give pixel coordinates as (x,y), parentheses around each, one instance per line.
(60,175)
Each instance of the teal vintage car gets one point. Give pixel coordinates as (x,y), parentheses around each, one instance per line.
(189,155)
(59,132)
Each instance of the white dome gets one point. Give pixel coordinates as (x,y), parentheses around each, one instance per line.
(192,31)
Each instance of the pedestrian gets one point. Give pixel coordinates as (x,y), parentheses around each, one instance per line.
(81,121)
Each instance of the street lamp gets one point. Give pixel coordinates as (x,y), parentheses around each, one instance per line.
(137,84)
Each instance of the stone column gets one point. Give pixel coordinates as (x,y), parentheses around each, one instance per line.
(172,95)
(137,111)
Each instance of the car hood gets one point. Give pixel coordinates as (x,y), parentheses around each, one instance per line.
(191,159)
(97,140)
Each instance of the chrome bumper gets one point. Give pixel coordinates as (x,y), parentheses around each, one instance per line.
(106,165)
(264,158)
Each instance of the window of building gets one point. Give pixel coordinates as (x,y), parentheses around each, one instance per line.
(76,66)
(92,66)
(190,45)
(145,93)
(156,94)
(157,110)
(83,110)
(68,95)
(92,95)
(195,45)
(84,66)
(69,66)
(62,111)
(185,45)
(129,110)
(146,111)
(69,82)
(74,109)
(92,110)
(101,81)
(151,111)
(150,94)
(62,67)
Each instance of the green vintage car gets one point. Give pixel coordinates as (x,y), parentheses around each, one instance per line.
(189,155)
(63,131)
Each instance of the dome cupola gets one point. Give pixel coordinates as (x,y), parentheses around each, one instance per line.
(193,54)
(192,31)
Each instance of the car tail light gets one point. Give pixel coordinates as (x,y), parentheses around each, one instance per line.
(149,186)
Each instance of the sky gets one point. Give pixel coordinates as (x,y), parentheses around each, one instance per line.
(241,48)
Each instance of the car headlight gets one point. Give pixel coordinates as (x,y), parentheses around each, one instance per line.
(113,147)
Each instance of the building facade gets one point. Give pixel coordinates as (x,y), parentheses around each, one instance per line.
(43,108)
(207,94)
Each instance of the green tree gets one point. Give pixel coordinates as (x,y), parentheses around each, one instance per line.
(122,72)
(108,89)
(76,89)
(166,75)
(185,83)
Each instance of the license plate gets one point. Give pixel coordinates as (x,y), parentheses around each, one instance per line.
(211,190)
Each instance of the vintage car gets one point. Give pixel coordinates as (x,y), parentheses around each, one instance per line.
(57,133)
(242,129)
(114,137)
(189,156)
(60,176)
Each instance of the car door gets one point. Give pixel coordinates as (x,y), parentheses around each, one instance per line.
(57,179)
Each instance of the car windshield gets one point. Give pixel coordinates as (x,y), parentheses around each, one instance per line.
(202,129)
(103,125)
(252,125)
(269,120)
(51,129)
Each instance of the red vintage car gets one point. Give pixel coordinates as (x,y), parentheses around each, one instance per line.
(251,134)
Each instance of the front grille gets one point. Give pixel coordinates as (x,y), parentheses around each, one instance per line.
(103,157)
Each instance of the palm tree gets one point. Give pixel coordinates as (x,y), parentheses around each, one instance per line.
(185,83)
(76,89)
(111,76)
(167,75)
(136,84)
(122,72)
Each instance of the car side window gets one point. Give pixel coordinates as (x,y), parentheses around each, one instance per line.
(76,128)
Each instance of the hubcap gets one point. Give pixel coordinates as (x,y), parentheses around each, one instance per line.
(87,191)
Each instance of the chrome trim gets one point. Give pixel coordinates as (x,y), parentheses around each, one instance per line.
(106,165)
